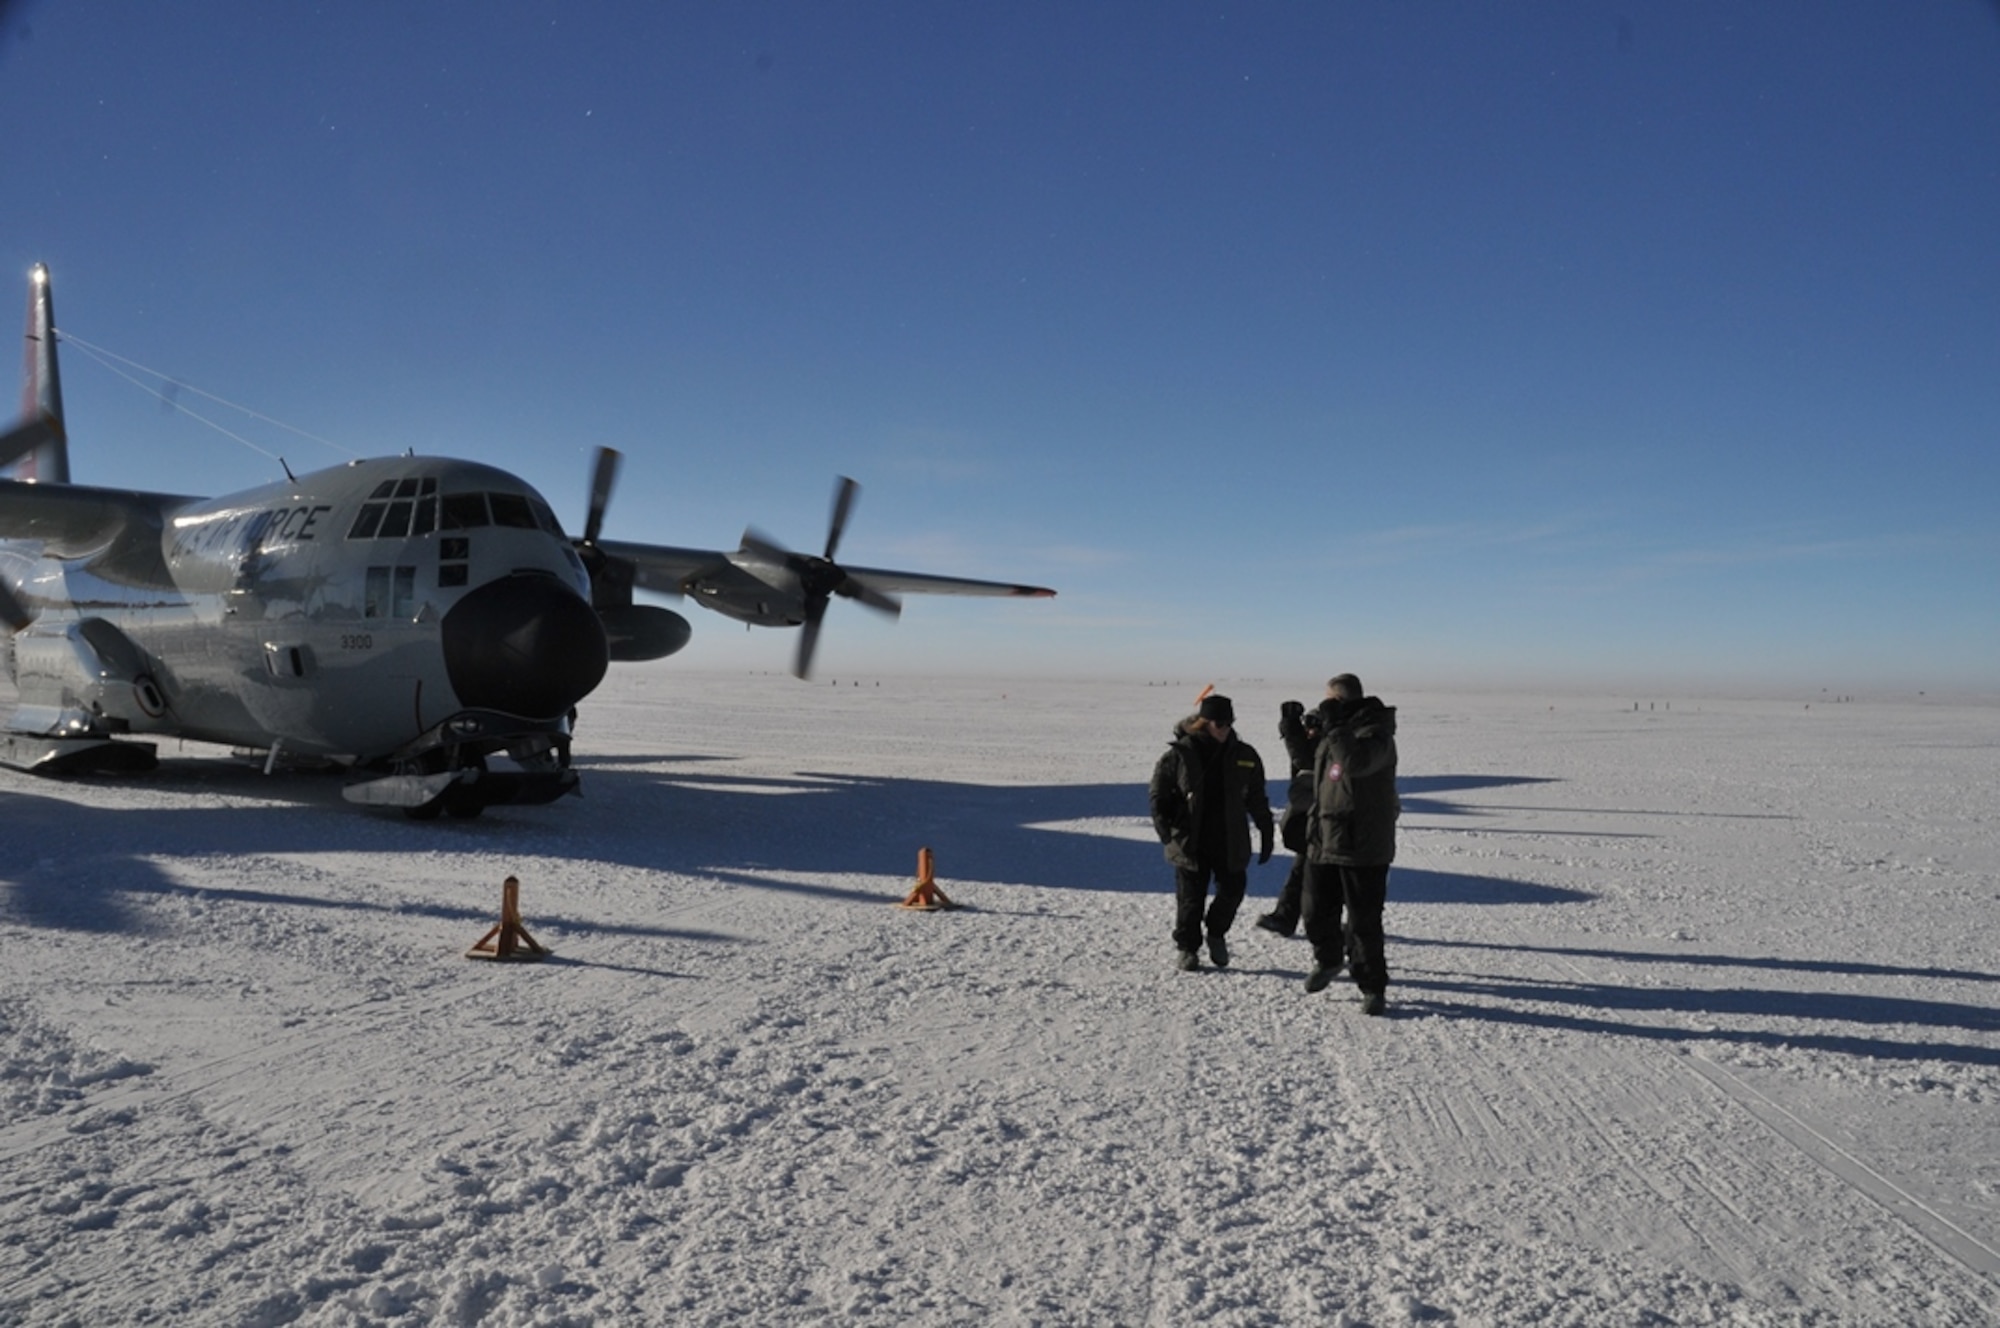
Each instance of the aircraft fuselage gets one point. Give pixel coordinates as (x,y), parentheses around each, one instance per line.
(343,615)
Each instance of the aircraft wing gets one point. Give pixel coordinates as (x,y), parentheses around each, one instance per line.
(919,583)
(662,569)
(761,582)
(121,526)
(665,570)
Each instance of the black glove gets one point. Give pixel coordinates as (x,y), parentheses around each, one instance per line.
(1264,849)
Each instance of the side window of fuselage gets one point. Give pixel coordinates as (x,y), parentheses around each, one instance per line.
(389,592)
(454,560)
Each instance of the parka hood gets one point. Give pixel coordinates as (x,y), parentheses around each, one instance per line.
(1370,715)
(1191,730)
(1366,713)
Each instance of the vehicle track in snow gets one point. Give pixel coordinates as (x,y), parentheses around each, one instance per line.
(1896,1195)
(1671,1146)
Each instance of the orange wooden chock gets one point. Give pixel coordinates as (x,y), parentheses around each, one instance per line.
(509,939)
(925,895)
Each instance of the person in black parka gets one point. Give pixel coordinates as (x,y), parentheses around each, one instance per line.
(1299,729)
(1352,840)
(1206,788)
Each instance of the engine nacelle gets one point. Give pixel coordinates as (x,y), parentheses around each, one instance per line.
(639,632)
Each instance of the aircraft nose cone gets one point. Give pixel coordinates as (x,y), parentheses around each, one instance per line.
(524,645)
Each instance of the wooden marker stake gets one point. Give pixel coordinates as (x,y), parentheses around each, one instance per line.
(508,940)
(925,895)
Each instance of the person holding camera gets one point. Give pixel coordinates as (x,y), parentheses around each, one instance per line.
(1300,730)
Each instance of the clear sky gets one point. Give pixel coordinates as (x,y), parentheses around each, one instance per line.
(1648,345)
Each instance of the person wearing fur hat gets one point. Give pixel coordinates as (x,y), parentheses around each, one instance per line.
(1351,840)
(1207,788)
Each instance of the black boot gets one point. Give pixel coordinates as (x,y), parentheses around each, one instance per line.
(1279,924)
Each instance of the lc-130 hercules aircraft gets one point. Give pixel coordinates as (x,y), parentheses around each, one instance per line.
(405,617)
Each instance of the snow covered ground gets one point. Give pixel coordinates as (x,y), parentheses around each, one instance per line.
(1696,1019)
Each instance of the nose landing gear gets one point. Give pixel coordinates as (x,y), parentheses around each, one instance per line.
(446,773)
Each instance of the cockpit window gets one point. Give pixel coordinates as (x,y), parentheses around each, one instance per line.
(400,509)
(463,511)
(511,509)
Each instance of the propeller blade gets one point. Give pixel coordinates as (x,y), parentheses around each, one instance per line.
(757,542)
(12,611)
(18,442)
(844,493)
(854,588)
(809,637)
(602,478)
(820,579)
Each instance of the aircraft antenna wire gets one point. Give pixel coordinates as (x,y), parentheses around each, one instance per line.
(171,399)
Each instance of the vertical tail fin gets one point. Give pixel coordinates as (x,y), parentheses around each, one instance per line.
(37,448)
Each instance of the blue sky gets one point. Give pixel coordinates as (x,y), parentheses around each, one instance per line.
(1648,346)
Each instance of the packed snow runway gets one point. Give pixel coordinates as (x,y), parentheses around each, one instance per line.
(1695,1019)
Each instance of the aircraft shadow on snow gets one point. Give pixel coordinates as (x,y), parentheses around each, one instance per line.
(1540,1003)
(81,868)
(87,862)
(1528,1002)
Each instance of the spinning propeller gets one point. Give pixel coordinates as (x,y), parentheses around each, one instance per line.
(15,444)
(601,480)
(595,560)
(611,577)
(820,579)
(635,632)
(12,611)
(761,582)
